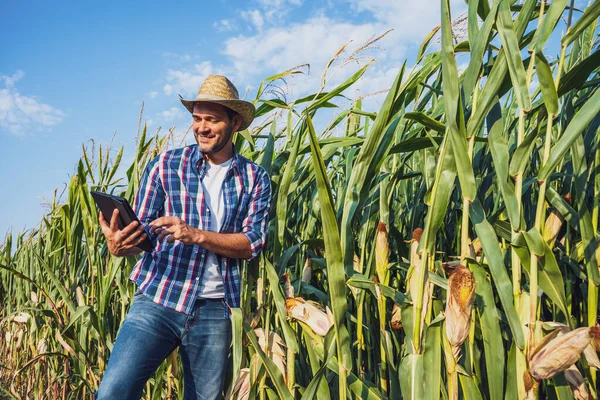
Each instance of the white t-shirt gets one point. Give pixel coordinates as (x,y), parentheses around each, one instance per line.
(212,282)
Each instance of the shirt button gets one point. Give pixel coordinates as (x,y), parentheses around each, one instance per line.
(198,278)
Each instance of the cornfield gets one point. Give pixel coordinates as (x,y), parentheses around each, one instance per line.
(445,246)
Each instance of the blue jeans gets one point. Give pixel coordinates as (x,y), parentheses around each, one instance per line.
(151,332)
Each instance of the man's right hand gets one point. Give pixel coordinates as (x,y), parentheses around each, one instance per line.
(122,242)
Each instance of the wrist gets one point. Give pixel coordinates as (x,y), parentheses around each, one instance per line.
(200,237)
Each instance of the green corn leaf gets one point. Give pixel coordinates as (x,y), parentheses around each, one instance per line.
(432,361)
(492,334)
(412,378)
(426,121)
(547,83)
(481,43)
(499,151)
(451,101)
(546,28)
(367,164)
(588,18)
(469,387)
(279,300)
(510,42)
(335,261)
(578,124)
(489,94)
(500,277)
(550,278)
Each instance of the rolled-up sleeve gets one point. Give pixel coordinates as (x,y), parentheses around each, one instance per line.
(254,226)
(150,197)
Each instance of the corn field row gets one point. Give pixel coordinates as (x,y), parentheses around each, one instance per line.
(443,247)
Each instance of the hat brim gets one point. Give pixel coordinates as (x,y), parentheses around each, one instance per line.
(245,109)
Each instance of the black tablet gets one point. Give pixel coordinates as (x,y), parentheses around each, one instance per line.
(107,203)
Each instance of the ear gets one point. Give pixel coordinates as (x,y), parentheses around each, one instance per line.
(236,122)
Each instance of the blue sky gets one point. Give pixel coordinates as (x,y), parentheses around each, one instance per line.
(72,71)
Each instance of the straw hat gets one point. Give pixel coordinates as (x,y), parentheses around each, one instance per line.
(218,89)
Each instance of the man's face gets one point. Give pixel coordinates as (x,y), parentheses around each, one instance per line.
(212,127)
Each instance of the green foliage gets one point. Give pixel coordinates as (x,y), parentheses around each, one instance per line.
(482,158)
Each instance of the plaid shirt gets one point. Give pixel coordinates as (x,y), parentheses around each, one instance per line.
(171,186)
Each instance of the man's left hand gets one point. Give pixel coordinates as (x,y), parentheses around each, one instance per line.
(174,228)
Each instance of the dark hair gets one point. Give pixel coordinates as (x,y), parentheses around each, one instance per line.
(230,113)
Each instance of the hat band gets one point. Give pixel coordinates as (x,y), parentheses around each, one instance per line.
(212,97)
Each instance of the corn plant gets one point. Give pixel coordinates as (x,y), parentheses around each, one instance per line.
(443,246)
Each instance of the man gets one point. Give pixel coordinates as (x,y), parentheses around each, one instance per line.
(206,209)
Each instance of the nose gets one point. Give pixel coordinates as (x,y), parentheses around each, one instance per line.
(201,127)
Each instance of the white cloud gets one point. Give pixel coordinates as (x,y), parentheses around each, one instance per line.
(278,49)
(187,81)
(224,25)
(276,10)
(21,114)
(255,17)
(413,18)
(171,114)
(153,94)
(279,43)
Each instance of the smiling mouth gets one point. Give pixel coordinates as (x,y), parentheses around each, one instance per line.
(203,137)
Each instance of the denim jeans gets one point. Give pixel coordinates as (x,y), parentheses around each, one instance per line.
(151,332)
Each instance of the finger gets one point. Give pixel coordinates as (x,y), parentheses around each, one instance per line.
(165,221)
(156,229)
(132,238)
(164,233)
(103,224)
(114,225)
(140,239)
(130,228)
(170,238)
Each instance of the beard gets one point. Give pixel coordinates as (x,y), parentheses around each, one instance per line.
(216,143)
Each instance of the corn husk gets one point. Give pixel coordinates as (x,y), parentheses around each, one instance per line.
(34,298)
(274,349)
(560,351)
(241,388)
(396,321)
(459,303)
(577,383)
(307,270)
(288,289)
(552,227)
(590,351)
(591,356)
(42,346)
(310,313)
(382,254)
(256,317)
(357,264)
(260,287)
(21,318)
(80,297)
(19,339)
(475,247)
(414,272)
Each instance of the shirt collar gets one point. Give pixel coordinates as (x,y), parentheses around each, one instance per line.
(199,159)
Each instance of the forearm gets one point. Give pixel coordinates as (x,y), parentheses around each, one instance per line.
(232,245)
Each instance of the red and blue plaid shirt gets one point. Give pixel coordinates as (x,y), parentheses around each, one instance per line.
(171,186)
